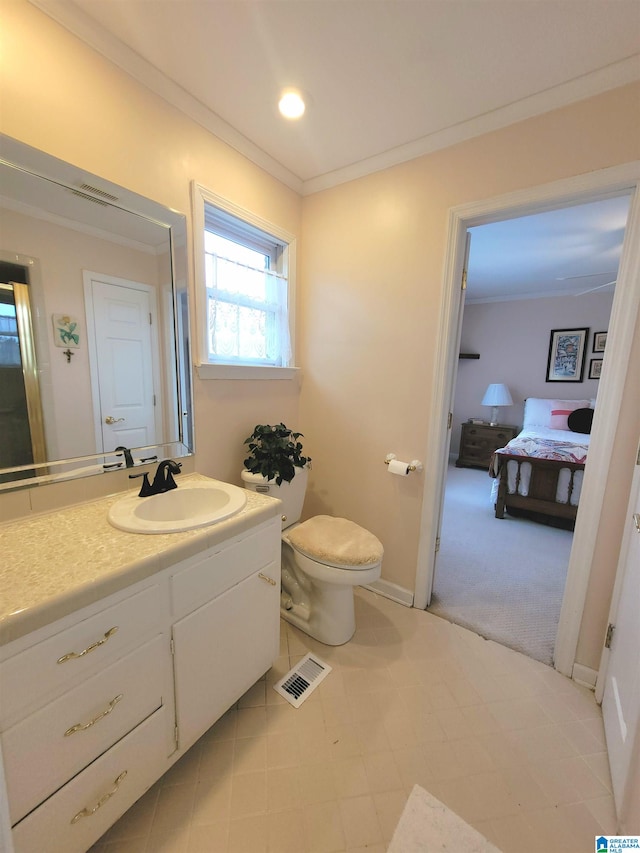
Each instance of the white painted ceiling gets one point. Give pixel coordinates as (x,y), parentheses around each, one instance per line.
(573,250)
(386,81)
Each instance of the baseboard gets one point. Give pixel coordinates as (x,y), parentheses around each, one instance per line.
(392,591)
(584,675)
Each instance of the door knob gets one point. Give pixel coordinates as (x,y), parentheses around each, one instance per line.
(110,420)
(636,521)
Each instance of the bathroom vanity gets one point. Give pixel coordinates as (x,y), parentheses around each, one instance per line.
(117,652)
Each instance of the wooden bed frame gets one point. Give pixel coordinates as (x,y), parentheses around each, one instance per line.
(543,487)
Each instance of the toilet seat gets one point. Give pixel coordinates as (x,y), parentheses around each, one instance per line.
(336,542)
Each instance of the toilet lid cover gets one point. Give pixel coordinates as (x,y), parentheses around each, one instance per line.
(336,541)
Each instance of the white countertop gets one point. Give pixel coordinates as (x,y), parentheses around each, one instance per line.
(61,561)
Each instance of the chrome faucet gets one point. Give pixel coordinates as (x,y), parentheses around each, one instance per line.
(163,480)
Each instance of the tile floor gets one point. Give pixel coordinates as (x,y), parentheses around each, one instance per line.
(514,748)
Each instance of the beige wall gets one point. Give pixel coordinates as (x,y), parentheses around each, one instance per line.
(61,97)
(372,264)
(370,277)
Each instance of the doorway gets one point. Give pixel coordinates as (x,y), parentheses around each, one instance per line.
(21,410)
(504,578)
(619,680)
(625,311)
(123,354)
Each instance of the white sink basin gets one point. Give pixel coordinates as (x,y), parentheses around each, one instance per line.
(189,506)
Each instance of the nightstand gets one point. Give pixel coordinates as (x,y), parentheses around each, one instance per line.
(478,441)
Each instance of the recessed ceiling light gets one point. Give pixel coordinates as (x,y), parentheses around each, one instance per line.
(291,104)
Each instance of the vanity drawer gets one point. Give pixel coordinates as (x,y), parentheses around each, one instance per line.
(42,752)
(99,795)
(47,669)
(206,576)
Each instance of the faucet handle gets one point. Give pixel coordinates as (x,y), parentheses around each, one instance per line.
(145,489)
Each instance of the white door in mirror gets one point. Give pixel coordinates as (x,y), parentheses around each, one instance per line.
(189,506)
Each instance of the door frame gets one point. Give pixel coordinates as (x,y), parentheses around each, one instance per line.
(89,277)
(626,306)
(623,804)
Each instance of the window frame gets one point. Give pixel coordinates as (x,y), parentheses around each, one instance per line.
(201,196)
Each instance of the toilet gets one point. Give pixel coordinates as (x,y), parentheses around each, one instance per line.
(323,559)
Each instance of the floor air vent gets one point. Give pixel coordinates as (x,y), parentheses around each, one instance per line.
(302,680)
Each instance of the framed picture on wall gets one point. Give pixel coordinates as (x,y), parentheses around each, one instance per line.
(567,349)
(599,341)
(595,368)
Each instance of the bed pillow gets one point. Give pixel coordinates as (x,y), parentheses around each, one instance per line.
(580,420)
(537,410)
(560,411)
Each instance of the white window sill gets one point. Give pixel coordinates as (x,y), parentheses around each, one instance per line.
(241,371)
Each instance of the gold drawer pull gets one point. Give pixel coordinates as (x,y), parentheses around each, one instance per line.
(267,579)
(91,648)
(103,799)
(81,727)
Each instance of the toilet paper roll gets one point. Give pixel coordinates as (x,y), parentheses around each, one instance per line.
(397,467)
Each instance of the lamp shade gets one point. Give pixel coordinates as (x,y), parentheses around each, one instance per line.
(497,395)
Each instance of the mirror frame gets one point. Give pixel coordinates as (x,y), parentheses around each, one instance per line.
(16,154)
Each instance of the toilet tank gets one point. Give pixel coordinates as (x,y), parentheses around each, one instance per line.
(291,494)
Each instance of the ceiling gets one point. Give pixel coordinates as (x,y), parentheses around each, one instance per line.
(387,81)
(557,253)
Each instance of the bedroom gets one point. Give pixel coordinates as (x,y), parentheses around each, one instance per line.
(526,277)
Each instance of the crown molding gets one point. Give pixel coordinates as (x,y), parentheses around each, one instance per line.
(595,83)
(77,22)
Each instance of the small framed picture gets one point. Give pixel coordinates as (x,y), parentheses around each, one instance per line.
(599,341)
(65,330)
(567,350)
(595,368)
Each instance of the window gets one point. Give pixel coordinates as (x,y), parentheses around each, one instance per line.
(9,343)
(246,301)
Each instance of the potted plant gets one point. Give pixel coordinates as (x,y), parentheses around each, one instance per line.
(275,453)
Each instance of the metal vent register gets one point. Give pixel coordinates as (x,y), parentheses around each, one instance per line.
(302,680)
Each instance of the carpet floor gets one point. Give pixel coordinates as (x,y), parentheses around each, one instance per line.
(502,578)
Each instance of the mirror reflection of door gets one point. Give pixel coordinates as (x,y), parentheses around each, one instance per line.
(21,422)
(122,357)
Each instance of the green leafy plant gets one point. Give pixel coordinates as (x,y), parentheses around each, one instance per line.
(275,452)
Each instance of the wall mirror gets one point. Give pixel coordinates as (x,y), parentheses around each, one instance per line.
(94,324)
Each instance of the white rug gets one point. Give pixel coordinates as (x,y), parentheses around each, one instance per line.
(427,826)
(501,578)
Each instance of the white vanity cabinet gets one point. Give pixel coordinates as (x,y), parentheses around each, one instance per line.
(73,695)
(96,706)
(225,645)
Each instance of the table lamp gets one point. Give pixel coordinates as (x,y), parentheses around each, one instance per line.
(496,395)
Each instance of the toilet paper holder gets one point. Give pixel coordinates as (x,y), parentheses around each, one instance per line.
(414,465)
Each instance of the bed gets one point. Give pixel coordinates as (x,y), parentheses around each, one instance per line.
(540,471)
